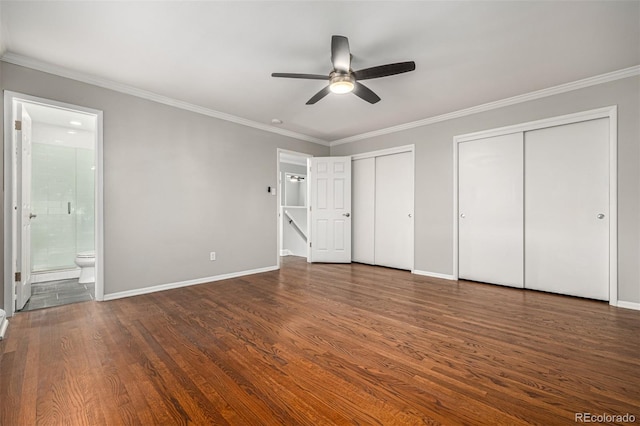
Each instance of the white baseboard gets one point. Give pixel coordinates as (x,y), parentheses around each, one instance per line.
(287,252)
(41,277)
(628,305)
(4,323)
(433,274)
(169,286)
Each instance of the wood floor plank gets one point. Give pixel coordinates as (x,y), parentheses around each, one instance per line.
(322,345)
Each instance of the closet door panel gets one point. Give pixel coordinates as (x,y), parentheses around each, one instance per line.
(394,211)
(363,174)
(490,210)
(567,209)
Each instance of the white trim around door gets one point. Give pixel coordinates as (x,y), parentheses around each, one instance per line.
(10,99)
(288,154)
(606,112)
(399,150)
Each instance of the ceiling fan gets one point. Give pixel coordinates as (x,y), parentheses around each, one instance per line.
(343,79)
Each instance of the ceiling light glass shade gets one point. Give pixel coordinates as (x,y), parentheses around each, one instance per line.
(341,87)
(341,83)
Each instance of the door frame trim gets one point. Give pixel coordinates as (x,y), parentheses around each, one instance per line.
(399,150)
(278,198)
(10,192)
(610,112)
(389,151)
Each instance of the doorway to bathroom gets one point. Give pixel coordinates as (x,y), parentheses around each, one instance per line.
(54,225)
(293,204)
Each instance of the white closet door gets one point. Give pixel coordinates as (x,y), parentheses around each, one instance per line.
(363,199)
(490,201)
(567,209)
(394,211)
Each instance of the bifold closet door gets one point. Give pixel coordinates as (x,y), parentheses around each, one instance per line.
(567,209)
(394,211)
(363,201)
(490,210)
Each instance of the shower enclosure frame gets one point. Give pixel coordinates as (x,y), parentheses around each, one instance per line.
(11,177)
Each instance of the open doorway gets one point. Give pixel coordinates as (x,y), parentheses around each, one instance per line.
(292,204)
(53,205)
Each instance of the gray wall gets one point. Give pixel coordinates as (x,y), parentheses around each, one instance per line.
(177,185)
(434,171)
(3,186)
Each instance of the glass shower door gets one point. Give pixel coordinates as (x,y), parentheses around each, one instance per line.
(54,202)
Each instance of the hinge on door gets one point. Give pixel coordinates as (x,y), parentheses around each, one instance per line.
(309,208)
(18,276)
(310,244)
(18,125)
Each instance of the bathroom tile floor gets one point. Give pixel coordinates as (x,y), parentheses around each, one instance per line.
(57,293)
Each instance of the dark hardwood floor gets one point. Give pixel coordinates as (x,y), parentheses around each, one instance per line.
(322,345)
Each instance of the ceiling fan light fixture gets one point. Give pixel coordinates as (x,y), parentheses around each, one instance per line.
(341,83)
(343,79)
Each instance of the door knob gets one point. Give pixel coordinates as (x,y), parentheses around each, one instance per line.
(410,215)
(346,214)
(462,215)
(600,216)
(31,215)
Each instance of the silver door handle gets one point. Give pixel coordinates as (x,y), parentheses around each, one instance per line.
(346,214)
(409,214)
(600,216)
(462,215)
(31,215)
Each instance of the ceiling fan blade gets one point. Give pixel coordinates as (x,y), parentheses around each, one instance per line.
(321,94)
(305,76)
(385,70)
(365,93)
(340,53)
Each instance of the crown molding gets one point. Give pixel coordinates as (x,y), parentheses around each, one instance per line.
(538,94)
(35,64)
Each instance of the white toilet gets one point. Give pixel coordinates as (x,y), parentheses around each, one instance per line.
(86,260)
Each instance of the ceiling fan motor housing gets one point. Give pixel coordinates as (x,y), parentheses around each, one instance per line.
(343,79)
(341,82)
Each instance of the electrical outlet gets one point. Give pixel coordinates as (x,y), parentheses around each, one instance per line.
(212,255)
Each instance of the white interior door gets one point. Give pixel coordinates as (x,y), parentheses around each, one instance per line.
(567,209)
(364,203)
(23,287)
(490,210)
(394,211)
(330,209)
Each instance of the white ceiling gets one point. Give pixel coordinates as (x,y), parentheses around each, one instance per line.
(219,54)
